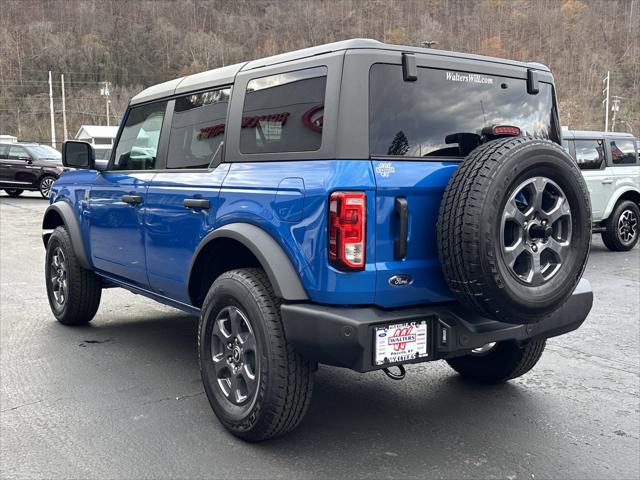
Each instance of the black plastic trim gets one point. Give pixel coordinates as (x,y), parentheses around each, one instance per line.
(269,253)
(343,336)
(409,67)
(400,244)
(65,211)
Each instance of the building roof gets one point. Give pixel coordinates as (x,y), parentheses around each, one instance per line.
(97,131)
(225,75)
(593,134)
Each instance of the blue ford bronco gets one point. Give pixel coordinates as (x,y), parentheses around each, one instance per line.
(354,204)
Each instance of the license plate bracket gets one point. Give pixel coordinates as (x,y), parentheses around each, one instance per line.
(400,342)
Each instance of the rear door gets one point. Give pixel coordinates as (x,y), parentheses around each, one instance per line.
(117,200)
(419,131)
(590,154)
(19,168)
(182,199)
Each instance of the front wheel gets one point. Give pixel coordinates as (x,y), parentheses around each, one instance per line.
(45,186)
(622,228)
(74,292)
(498,362)
(256,383)
(14,192)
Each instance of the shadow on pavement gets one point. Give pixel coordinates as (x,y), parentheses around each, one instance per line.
(431,405)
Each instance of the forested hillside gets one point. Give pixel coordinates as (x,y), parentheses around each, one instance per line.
(136,43)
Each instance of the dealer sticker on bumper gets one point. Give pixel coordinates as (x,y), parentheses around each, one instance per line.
(400,342)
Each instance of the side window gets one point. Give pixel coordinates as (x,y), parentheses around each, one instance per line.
(566,145)
(623,152)
(3,151)
(284,113)
(589,154)
(197,128)
(18,153)
(138,145)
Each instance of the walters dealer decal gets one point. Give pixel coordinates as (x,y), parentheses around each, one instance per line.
(401,337)
(468,78)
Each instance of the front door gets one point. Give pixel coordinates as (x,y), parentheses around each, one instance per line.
(117,200)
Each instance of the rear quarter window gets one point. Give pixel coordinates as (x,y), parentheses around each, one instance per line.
(442,113)
(623,152)
(284,112)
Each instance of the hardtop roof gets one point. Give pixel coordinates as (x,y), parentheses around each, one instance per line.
(220,76)
(593,134)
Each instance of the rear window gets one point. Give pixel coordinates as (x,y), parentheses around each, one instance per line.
(442,113)
(623,152)
(197,128)
(284,113)
(589,154)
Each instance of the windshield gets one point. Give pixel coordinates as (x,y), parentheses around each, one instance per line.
(44,152)
(443,112)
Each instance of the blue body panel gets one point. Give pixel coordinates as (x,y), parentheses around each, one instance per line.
(422,184)
(150,246)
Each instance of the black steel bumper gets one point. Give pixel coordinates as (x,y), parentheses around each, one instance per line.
(343,336)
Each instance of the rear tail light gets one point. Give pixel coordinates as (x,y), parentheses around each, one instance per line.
(347,224)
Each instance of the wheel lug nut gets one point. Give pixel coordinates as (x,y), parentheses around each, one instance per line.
(534,248)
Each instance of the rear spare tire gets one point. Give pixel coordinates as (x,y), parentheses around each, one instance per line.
(514,229)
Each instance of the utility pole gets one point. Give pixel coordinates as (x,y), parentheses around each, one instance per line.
(104,91)
(615,108)
(605,92)
(64,111)
(53,126)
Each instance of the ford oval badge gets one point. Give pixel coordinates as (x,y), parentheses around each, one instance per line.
(400,280)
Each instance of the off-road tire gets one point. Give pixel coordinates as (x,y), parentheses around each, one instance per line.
(84,286)
(285,380)
(611,235)
(469,237)
(507,360)
(14,192)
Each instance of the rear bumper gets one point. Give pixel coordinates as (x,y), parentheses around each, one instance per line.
(343,336)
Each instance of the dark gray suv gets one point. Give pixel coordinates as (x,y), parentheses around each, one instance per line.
(29,166)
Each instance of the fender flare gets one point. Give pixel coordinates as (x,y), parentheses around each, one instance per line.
(277,265)
(65,211)
(615,198)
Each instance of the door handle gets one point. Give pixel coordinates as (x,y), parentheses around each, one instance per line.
(607,181)
(196,203)
(132,199)
(400,244)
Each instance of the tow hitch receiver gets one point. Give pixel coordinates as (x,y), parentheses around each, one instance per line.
(395,376)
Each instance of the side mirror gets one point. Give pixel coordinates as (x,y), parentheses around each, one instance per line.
(76,154)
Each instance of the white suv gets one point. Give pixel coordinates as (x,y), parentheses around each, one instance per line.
(610,165)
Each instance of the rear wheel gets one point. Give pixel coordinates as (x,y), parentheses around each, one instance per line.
(514,229)
(622,228)
(499,362)
(74,292)
(256,383)
(45,186)
(13,192)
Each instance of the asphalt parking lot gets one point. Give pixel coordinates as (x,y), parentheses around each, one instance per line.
(122,397)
